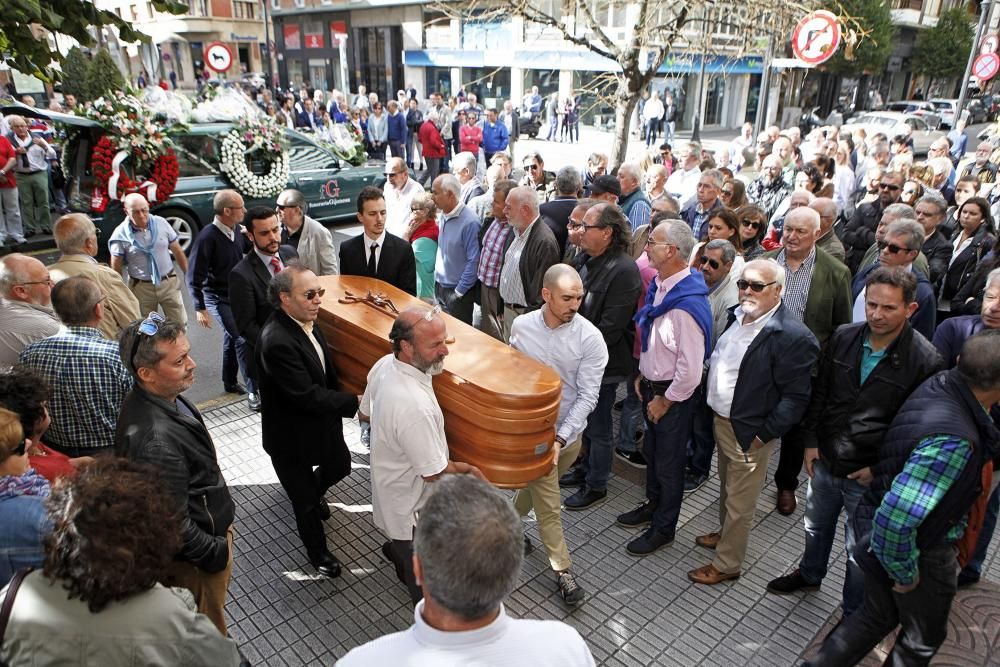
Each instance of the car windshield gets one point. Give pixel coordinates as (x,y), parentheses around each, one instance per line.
(943,106)
(869,119)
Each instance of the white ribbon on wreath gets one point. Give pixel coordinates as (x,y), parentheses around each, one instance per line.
(116,165)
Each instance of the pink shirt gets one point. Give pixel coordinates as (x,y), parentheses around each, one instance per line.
(676,347)
(647,273)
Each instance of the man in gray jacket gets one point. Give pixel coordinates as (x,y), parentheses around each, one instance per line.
(311,240)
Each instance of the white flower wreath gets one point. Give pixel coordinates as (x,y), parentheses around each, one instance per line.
(237,145)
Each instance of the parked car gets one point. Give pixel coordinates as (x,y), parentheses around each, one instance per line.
(892,123)
(916,107)
(330,185)
(974,112)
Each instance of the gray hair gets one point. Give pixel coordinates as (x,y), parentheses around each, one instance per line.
(806,214)
(146,354)
(223,199)
(936,199)
(74,300)
(771,265)
(568,181)
(727,248)
(449,183)
(13,271)
(695,148)
(679,234)
(71,233)
(631,170)
(979,361)
(470,544)
(715,175)
(464,160)
(283,281)
(911,230)
(898,211)
(940,165)
(992,276)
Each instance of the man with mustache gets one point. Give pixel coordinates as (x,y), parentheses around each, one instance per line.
(159,427)
(302,408)
(408,447)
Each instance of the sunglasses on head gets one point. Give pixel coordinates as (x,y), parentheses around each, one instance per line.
(313,293)
(711,262)
(891,247)
(743,285)
(750,224)
(148,327)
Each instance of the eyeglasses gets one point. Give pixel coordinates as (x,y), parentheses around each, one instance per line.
(282,207)
(47,281)
(888,186)
(573,226)
(751,224)
(390,174)
(531,167)
(313,293)
(651,242)
(711,262)
(743,285)
(415,209)
(727,193)
(432,313)
(891,247)
(148,327)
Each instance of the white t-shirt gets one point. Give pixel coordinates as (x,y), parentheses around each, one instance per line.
(504,642)
(407,443)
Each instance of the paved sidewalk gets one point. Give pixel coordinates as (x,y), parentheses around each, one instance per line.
(640,611)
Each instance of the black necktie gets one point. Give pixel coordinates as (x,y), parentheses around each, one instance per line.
(371,261)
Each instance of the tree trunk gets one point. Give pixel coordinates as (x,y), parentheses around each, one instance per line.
(625,102)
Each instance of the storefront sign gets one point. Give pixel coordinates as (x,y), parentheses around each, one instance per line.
(293,37)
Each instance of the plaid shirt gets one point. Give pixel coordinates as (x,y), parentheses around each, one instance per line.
(932,468)
(797,284)
(491,258)
(87,383)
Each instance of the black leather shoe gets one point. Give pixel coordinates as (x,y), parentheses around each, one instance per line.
(324,510)
(649,542)
(326,564)
(640,516)
(528,546)
(573,477)
(585,498)
(253,401)
(236,388)
(790,583)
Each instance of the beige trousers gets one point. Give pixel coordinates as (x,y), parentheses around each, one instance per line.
(741,478)
(166,294)
(543,495)
(509,314)
(209,589)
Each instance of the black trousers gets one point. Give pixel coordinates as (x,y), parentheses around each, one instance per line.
(922,615)
(306,487)
(786,477)
(401,554)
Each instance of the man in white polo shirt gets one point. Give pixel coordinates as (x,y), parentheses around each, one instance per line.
(468,560)
(408,446)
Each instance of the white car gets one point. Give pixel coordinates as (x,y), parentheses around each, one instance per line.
(974,112)
(891,123)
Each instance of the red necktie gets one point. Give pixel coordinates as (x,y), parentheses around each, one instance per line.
(276,265)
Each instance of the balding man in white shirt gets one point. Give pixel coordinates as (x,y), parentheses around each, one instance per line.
(399,190)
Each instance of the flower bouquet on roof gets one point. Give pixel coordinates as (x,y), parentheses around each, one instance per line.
(254,157)
(346,142)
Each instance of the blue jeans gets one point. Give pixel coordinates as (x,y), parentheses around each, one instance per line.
(235,351)
(631,421)
(826,496)
(699,461)
(597,438)
(975,564)
(665,449)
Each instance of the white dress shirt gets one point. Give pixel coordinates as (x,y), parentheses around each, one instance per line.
(577,352)
(266,259)
(228,231)
(378,251)
(683,186)
(397,205)
(724,366)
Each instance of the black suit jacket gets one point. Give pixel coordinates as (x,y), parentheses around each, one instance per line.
(301,404)
(396,264)
(248,283)
(556,213)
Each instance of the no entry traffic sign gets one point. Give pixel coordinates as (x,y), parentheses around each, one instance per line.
(218,57)
(816,37)
(986,66)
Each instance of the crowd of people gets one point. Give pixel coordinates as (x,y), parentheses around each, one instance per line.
(826,311)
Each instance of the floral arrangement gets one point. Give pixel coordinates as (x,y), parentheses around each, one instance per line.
(111,181)
(346,142)
(255,138)
(131,128)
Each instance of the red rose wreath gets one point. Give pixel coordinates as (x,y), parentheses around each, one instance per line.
(157,187)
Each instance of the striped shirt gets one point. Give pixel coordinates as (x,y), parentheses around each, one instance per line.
(491,258)
(511,288)
(797,284)
(932,468)
(87,383)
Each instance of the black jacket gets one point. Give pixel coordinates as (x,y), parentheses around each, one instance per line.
(556,214)
(848,420)
(964,265)
(772,392)
(153,431)
(248,284)
(859,232)
(611,290)
(302,407)
(396,264)
(937,249)
(541,251)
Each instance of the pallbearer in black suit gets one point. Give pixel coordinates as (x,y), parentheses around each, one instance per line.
(302,407)
(249,280)
(377,253)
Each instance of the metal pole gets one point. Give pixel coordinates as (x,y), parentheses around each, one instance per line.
(765,90)
(696,124)
(983,15)
(267,44)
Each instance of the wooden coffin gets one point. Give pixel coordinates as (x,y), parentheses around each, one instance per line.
(500,406)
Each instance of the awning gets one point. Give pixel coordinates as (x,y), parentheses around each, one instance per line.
(18,109)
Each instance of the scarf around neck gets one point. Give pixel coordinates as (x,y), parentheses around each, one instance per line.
(690,295)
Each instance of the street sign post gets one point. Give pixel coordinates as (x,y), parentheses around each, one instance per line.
(218,57)
(986,66)
(816,37)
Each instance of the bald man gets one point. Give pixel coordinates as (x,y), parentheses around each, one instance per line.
(408,447)
(25,306)
(528,253)
(76,238)
(399,191)
(828,240)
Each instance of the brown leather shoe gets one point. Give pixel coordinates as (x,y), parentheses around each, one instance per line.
(786,501)
(710,576)
(709,541)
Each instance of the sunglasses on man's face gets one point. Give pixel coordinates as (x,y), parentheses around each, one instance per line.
(891,247)
(531,167)
(313,293)
(743,285)
(711,262)
(888,186)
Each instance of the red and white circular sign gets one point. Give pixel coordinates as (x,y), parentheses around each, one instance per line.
(990,43)
(218,57)
(986,66)
(816,37)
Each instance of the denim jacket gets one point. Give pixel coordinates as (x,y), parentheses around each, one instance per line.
(23,524)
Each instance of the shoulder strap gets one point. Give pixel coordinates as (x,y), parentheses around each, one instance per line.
(8,599)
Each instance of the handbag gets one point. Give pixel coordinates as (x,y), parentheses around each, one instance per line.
(8,604)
